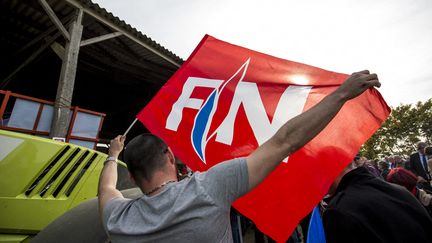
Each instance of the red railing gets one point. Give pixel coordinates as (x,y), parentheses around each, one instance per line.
(7,95)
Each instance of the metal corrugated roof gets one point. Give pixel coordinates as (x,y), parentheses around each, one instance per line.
(122,24)
(30,20)
(131,67)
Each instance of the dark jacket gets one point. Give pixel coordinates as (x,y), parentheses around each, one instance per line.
(417,167)
(367,209)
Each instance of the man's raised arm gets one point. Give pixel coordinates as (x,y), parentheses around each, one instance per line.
(108,179)
(298,131)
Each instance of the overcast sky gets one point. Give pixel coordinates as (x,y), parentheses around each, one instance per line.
(390,37)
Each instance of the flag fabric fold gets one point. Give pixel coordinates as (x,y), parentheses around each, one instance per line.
(226,100)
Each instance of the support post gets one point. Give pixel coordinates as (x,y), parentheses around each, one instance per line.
(62,104)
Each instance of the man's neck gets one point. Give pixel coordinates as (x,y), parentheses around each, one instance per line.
(158,182)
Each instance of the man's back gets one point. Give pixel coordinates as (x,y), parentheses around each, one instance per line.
(367,209)
(192,210)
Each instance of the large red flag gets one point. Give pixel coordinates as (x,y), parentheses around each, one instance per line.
(226,100)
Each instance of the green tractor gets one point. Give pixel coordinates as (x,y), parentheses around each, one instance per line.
(48,190)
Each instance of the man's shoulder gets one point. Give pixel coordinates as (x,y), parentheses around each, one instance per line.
(236,165)
(361,192)
(336,200)
(414,155)
(117,203)
(348,197)
(371,197)
(114,207)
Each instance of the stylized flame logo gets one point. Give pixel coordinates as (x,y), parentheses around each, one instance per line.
(204,117)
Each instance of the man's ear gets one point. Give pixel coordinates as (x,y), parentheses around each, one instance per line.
(131,177)
(171,156)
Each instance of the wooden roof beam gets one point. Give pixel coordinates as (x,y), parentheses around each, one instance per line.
(44,34)
(54,19)
(58,49)
(100,38)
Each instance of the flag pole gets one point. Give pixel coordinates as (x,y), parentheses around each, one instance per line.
(130,127)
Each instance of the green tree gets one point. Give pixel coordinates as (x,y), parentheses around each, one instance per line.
(425,120)
(399,134)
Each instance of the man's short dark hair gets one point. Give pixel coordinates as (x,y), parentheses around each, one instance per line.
(421,145)
(144,155)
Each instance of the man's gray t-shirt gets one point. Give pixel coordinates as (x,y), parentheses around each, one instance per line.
(192,210)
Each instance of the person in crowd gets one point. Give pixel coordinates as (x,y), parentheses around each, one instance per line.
(418,165)
(372,169)
(197,209)
(374,163)
(408,180)
(406,165)
(390,161)
(398,161)
(365,208)
(428,152)
(363,161)
(386,159)
(384,168)
(359,160)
